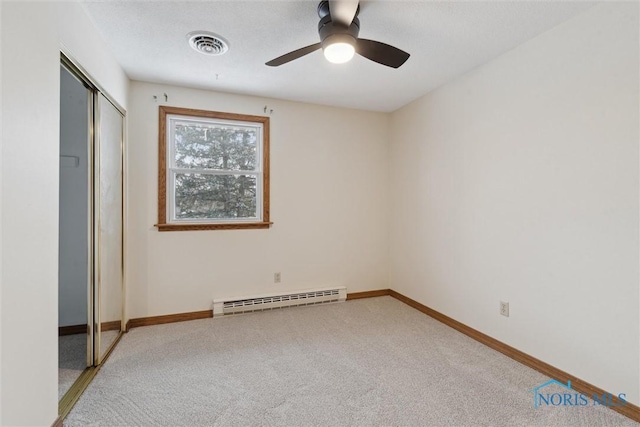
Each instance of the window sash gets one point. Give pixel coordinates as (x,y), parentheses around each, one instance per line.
(172,170)
(171,146)
(171,205)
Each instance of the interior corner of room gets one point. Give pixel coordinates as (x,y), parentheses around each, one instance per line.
(514,182)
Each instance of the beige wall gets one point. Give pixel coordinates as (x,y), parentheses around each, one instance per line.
(519,182)
(29,217)
(328,204)
(32,35)
(1,182)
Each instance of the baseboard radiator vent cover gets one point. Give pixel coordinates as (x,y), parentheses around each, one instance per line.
(241,305)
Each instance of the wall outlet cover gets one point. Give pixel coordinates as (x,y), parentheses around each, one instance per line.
(504,308)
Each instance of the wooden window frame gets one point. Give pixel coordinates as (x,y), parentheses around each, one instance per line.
(163,224)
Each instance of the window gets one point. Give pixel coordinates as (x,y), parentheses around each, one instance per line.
(213,170)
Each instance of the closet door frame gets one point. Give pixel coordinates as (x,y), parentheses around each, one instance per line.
(94,358)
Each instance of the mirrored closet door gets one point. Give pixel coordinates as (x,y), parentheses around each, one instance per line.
(109,230)
(91,229)
(75,311)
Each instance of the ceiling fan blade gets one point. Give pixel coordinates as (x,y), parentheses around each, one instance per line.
(287,57)
(343,11)
(381,53)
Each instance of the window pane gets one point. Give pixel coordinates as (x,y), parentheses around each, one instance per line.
(215,146)
(200,196)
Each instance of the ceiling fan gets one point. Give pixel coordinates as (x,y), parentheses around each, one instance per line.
(338,28)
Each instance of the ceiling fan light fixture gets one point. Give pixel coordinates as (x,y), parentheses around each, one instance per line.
(339,53)
(339,38)
(339,50)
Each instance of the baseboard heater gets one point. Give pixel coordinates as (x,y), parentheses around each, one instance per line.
(225,306)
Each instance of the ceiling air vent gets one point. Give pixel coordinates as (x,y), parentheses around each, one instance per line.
(208,43)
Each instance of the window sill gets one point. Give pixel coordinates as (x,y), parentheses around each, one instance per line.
(201,227)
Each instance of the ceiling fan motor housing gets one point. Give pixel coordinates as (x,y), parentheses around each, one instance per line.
(331,32)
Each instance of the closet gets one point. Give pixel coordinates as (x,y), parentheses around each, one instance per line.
(91,229)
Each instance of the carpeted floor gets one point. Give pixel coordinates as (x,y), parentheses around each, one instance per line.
(72,360)
(72,357)
(370,362)
(106,339)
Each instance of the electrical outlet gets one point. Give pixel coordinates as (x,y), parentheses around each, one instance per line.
(504,308)
(277,277)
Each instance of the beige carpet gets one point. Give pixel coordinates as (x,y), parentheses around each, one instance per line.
(72,357)
(106,339)
(371,362)
(72,360)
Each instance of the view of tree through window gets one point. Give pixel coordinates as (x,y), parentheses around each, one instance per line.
(213,170)
(218,153)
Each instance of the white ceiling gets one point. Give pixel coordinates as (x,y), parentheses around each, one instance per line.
(445,40)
